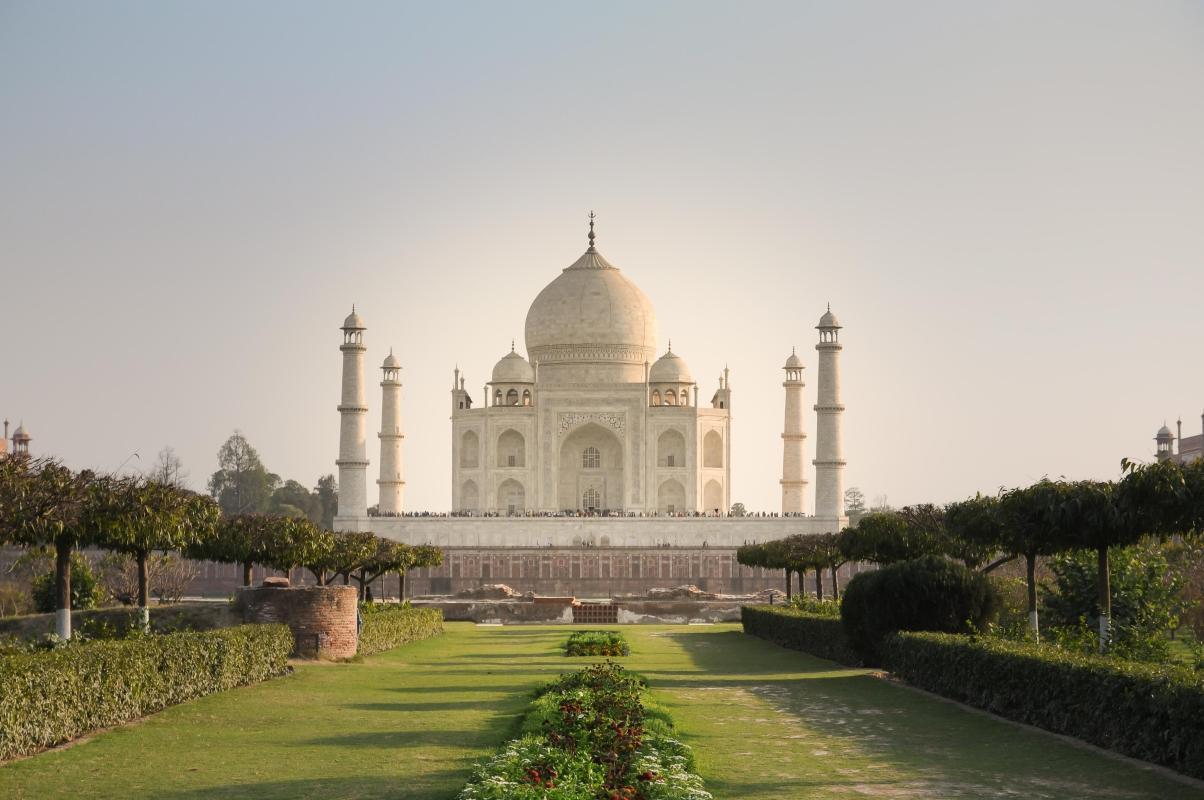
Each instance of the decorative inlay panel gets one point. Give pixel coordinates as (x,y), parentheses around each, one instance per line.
(615,420)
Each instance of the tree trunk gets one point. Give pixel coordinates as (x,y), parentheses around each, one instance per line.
(62,584)
(835,584)
(401,586)
(819,583)
(143,591)
(789,575)
(246,573)
(1030,560)
(346,578)
(1105,601)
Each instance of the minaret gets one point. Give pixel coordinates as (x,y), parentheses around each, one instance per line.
(829,440)
(794,485)
(391,483)
(353,457)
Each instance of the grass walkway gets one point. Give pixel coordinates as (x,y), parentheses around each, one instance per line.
(766,724)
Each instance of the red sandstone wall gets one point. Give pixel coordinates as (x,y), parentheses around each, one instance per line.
(322,618)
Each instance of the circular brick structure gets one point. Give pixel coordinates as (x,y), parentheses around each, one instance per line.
(322,618)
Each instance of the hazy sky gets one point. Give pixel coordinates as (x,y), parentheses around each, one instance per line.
(1004,203)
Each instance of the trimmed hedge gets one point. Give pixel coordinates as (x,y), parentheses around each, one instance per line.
(1149,712)
(51,697)
(818,635)
(596,643)
(386,628)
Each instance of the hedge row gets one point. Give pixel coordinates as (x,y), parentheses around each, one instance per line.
(818,635)
(57,695)
(386,628)
(1149,712)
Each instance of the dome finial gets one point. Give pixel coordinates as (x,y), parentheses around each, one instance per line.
(511,345)
(591,230)
(670,345)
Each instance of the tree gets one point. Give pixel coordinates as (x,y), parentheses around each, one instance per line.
(884,537)
(327,503)
(246,539)
(422,556)
(826,554)
(43,503)
(1144,597)
(738,510)
(854,504)
(388,556)
(1029,520)
(168,469)
(974,530)
(241,484)
(140,517)
(1094,518)
(351,551)
(291,499)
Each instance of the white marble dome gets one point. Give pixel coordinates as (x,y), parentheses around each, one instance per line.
(670,368)
(513,368)
(794,362)
(591,313)
(353,322)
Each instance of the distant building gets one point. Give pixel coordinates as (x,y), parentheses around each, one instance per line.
(20,441)
(1188,450)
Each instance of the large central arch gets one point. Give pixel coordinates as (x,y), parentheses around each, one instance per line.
(587,446)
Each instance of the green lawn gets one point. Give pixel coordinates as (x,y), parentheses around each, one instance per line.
(765,723)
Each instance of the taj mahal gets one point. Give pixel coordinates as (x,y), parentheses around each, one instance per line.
(592,447)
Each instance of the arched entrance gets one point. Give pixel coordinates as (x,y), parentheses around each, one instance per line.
(511,497)
(591,469)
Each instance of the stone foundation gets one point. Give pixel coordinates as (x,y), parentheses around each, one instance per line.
(322,618)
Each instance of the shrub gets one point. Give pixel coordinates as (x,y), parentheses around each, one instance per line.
(819,635)
(811,605)
(54,696)
(925,594)
(385,628)
(1145,711)
(1145,598)
(590,735)
(596,643)
(85,593)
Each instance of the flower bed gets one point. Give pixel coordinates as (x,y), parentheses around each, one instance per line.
(596,643)
(591,735)
(57,695)
(386,627)
(819,635)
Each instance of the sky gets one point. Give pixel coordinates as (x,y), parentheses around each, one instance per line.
(1003,202)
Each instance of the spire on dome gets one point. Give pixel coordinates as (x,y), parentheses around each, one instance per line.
(591,231)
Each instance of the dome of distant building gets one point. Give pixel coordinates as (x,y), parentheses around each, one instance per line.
(794,362)
(670,368)
(591,313)
(513,368)
(1164,431)
(391,362)
(353,321)
(828,320)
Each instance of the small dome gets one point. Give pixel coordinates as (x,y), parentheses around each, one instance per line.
(353,322)
(391,362)
(513,368)
(1164,431)
(828,320)
(794,362)
(20,434)
(670,368)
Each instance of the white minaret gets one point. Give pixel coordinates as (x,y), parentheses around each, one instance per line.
(829,439)
(353,457)
(391,483)
(794,485)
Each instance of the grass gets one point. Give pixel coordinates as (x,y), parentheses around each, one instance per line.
(765,724)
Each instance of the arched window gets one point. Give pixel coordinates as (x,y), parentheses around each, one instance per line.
(670,398)
(497,397)
(512,397)
(526,397)
(656,397)
(685,397)
(591,500)
(591,458)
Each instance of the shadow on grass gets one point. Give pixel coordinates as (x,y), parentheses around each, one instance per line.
(429,786)
(907,742)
